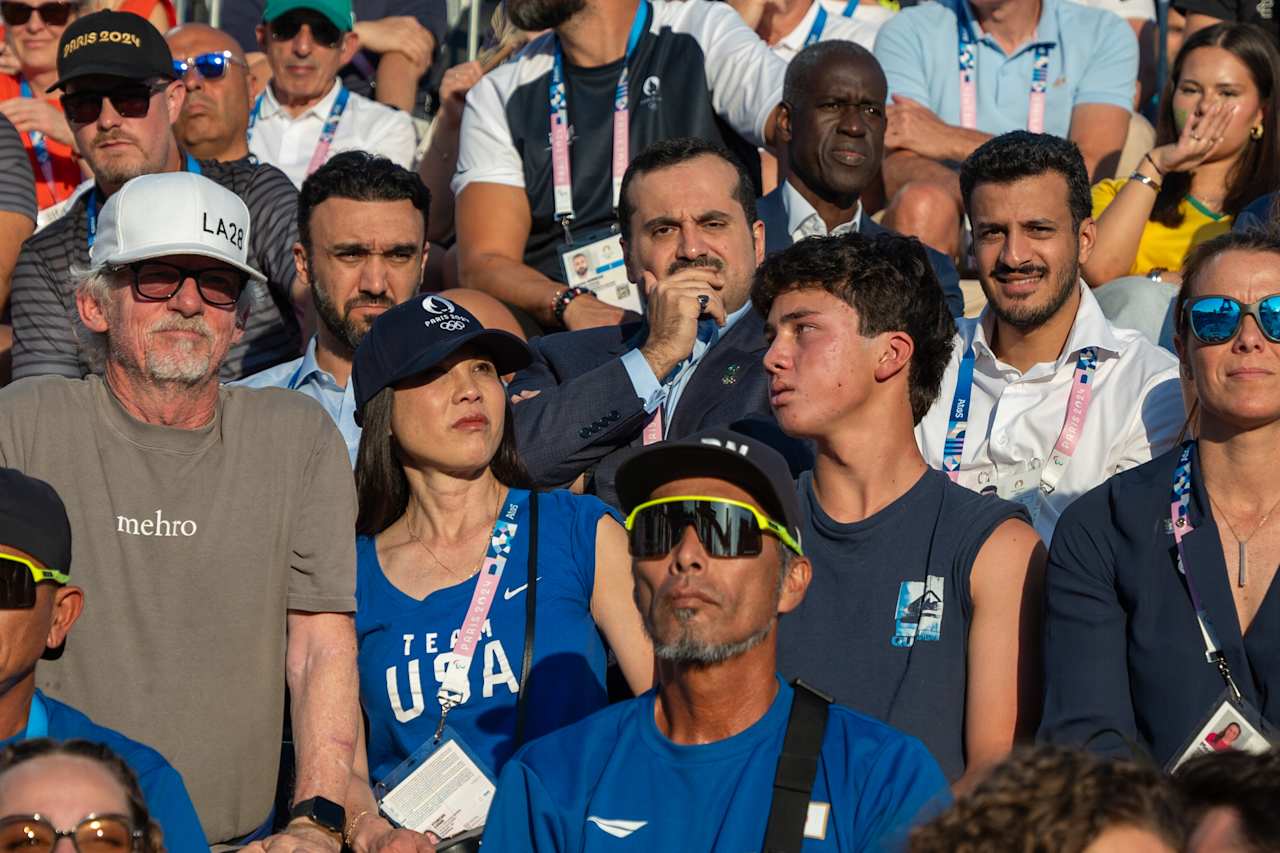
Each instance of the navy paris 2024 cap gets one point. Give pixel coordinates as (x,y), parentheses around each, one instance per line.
(417,335)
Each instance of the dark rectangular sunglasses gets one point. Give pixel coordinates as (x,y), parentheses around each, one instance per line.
(1217,319)
(286,28)
(53,14)
(18,579)
(726,528)
(210,66)
(130,100)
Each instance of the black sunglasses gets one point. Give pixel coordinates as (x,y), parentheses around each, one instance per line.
(323,32)
(18,579)
(155,281)
(1217,319)
(726,528)
(53,14)
(130,100)
(210,66)
(108,833)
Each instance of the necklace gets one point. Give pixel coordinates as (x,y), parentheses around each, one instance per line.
(441,563)
(1241,544)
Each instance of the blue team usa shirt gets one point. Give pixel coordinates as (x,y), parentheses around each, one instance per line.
(614,782)
(405,644)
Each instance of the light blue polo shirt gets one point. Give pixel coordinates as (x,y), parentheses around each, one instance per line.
(1093,59)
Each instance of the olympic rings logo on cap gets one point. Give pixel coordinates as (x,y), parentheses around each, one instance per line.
(453,325)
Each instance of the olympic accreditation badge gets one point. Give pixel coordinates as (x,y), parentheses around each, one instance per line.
(595,263)
(1232,724)
(441,788)
(1024,489)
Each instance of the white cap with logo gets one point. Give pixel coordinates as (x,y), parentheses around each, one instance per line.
(173,213)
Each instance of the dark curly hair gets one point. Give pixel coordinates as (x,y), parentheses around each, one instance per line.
(888,280)
(1021,154)
(152,839)
(1053,799)
(359,176)
(1250,784)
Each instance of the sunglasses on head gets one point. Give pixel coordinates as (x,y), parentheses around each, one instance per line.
(156,281)
(130,100)
(106,833)
(18,579)
(53,14)
(323,32)
(726,528)
(1217,319)
(210,66)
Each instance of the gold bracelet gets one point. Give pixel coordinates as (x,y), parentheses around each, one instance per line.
(349,836)
(1143,179)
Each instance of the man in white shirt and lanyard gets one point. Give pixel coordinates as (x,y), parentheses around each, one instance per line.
(305,114)
(789,26)
(1043,398)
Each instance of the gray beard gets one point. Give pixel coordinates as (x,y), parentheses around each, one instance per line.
(688,650)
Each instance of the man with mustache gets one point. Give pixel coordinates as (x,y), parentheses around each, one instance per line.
(122,97)
(1044,398)
(361,249)
(832,124)
(214,121)
(213,524)
(718,564)
(691,241)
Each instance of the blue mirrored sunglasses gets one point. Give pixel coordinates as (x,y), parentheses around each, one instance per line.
(1217,319)
(210,66)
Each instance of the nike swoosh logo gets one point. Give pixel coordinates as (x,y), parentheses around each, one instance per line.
(617,828)
(508,594)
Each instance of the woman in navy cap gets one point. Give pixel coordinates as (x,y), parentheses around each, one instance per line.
(448,574)
(1163,621)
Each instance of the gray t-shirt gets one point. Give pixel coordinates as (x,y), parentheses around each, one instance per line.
(191,546)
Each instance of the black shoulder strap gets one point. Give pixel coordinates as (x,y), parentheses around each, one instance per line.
(797,767)
(530,610)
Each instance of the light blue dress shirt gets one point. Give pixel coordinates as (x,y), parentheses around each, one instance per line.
(1093,59)
(305,375)
(654,393)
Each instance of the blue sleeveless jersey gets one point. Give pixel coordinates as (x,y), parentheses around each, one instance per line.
(404,644)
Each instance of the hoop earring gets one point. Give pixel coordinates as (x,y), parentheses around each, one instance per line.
(1255,132)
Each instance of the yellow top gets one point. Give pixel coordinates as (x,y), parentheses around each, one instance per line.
(1163,247)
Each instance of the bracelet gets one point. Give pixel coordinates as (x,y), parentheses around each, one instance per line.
(563,298)
(1143,179)
(349,836)
(1147,157)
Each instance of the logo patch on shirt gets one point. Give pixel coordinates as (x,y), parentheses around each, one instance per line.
(815,822)
(650,93)
(919,612)
(617,828)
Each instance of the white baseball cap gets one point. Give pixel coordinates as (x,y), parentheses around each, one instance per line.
(173,213)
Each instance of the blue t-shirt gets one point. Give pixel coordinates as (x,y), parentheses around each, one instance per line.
(614,782)
(404,644)
(162,786)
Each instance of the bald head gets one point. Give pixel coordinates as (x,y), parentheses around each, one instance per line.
(214,122)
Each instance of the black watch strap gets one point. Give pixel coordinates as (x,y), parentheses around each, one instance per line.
(324,813)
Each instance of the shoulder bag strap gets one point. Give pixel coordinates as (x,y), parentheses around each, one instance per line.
(797,768)
(530,611)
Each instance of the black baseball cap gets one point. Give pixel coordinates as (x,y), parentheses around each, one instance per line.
(725,454)
(419,334)
(34,520)
(118,44)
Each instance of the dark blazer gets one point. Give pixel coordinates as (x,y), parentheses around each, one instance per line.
(1124,657)
(771,210)
(587,414)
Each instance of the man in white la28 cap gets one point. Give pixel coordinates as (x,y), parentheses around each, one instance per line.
(213,525)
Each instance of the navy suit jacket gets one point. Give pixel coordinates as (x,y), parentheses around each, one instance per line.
(587,414)
(1124,657)
(772,212)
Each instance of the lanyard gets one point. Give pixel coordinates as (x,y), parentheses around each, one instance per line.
(969,83)
(43,158)
(562,177)
(1073,424)
(454,689)
(327,133)
(191,165)
(819,24)
(1181,521)
(849,8)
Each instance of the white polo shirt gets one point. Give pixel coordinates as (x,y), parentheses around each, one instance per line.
(288,143)
(1015,418)
(836,27)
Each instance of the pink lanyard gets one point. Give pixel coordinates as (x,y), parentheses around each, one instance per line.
(969,83)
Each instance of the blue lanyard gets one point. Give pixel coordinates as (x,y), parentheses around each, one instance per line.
(558,96)
(327,133)
(190,164)
(1180,518)
(819,24)
(37,719)
(958,420)
(849,9)
(38,146)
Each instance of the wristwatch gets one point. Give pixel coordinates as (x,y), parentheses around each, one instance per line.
(1157,274)
(325,814)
